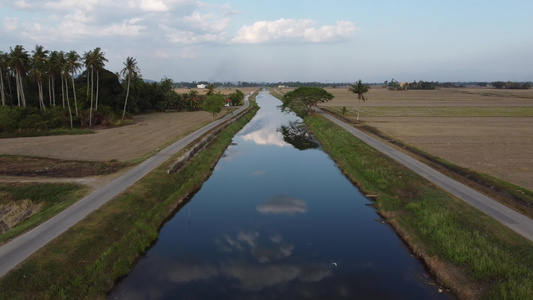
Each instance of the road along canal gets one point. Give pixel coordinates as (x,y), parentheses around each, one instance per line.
(277,219)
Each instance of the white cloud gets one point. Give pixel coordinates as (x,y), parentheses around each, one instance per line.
(69,5)
(161,54)
(206,22)
(293,30)
(10,24)
(153,6)
(126,28)
(22,4)
(188,53)
(189,37)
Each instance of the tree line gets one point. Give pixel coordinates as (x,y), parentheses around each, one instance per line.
(45,89)
(511,85)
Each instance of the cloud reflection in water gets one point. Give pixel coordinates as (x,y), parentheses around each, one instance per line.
(282,204)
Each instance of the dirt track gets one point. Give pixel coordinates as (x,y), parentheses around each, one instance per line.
(149,132)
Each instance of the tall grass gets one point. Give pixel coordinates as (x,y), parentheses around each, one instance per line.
(84,262)
(482,257)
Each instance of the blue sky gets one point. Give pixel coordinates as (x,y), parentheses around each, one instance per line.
(291,40)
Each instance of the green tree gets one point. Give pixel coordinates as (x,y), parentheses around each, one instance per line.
(360,89)
(38,69)
(211,89)
(73,65)
(303,99)
(214,104)
(3,70)
(191,99)
(94,61)
(64,79)
(18,62)
(54,70)
(130,70)
(236,98)
(98,61)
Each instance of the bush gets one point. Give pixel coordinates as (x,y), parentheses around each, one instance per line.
(26,119)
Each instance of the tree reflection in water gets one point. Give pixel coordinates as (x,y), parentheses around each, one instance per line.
(298,135)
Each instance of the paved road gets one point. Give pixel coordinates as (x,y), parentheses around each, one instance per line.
(17,250)
(512,219)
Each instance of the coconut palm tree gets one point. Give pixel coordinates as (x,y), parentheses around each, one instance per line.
(62,63)
(54,63)
(360,89)
(94,61)
(130,69)
(19,63)
(38,64)
(99,61)
(73,62)
(88,58)
(211,89)
(64,78)
(87,61)
(193,94)
(3,70)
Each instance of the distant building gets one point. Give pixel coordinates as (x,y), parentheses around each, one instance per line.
(201,86)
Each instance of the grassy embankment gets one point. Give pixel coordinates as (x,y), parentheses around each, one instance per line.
(86,260)
(469,252)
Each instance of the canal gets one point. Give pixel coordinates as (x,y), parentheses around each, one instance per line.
(277,220)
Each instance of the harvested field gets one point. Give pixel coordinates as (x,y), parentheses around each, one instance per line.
(486,130)
(378,96)
(149,132)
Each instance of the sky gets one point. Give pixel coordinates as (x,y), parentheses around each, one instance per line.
(289,40)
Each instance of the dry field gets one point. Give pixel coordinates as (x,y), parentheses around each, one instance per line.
(149,132)
(487,130)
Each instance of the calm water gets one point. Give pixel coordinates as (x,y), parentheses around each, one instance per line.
(275,222)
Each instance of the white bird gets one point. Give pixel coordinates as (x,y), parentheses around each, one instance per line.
(334,263)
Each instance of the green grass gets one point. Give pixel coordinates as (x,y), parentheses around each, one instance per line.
(435,224)
(84,262)
(53,198)
(445,111)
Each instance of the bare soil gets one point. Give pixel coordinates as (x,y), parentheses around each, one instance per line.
(499,146)
(148,133)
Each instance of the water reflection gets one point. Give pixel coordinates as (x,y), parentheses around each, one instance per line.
(297,134)
(282,204)
(265,133)
(267,250)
